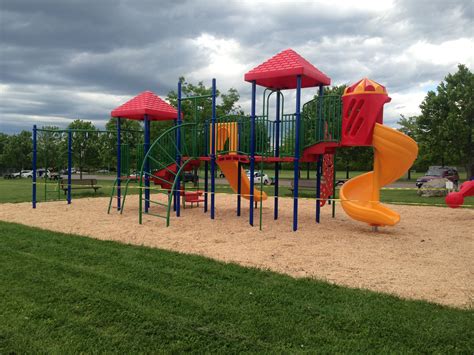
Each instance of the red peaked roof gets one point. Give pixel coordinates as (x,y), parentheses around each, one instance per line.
(280,71)
(146,103)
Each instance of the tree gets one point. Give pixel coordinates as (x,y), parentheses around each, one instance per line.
(108,142)
(409,126)
(3,143)
(51,149)
(202,111)
(18,151)
(335,90)
(446,121)
(85,145)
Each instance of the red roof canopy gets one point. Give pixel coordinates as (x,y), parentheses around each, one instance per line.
(280,71)
(146,103)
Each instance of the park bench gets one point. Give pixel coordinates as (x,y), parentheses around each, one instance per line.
(78,184)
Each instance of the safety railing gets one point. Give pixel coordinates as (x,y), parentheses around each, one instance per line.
(321,120)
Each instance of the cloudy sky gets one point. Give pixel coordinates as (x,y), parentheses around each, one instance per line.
(67,59)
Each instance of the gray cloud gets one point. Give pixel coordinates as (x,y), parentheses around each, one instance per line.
(62,60)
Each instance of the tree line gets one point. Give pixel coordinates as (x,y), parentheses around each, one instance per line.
(94,150)
(443,130)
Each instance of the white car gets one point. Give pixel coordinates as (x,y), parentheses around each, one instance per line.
(23,173)
(27,174)
(18,174)
(259,177)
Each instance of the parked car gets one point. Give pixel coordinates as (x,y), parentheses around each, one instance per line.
(437,172)
(27,174)
(20,174)
(8,176)
(259,177)
(103,171)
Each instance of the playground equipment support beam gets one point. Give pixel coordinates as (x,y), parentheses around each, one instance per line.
(321,157)
(178,154)
(69,165)
(119,162)
(146,122)
(277,154)
(252,150)
(35,133)
(213,149)
(206,184)
(173,193)
(297,153)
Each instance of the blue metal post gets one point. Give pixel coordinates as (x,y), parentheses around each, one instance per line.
(277,154)
(297,153)
(178,153)
(147,163)
(320,158)
(206,183)
(318,188)
(213,149)
(252,150)
(119,162)
(176,139)
(69,165)
(239,186)
(35,132)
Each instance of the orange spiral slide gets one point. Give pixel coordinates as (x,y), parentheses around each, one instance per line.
(394,153)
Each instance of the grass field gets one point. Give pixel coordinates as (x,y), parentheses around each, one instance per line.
(20,191)
(70,294)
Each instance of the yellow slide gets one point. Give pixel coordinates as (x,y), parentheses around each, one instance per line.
(230,170)
(394,154)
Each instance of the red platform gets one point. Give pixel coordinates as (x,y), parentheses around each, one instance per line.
(280,71)
(311,154)
(146,103)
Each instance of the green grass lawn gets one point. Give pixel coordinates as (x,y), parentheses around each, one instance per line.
(387,196)
(20,191)
(70,294)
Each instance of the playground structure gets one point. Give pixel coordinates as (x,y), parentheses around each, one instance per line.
(311,133)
